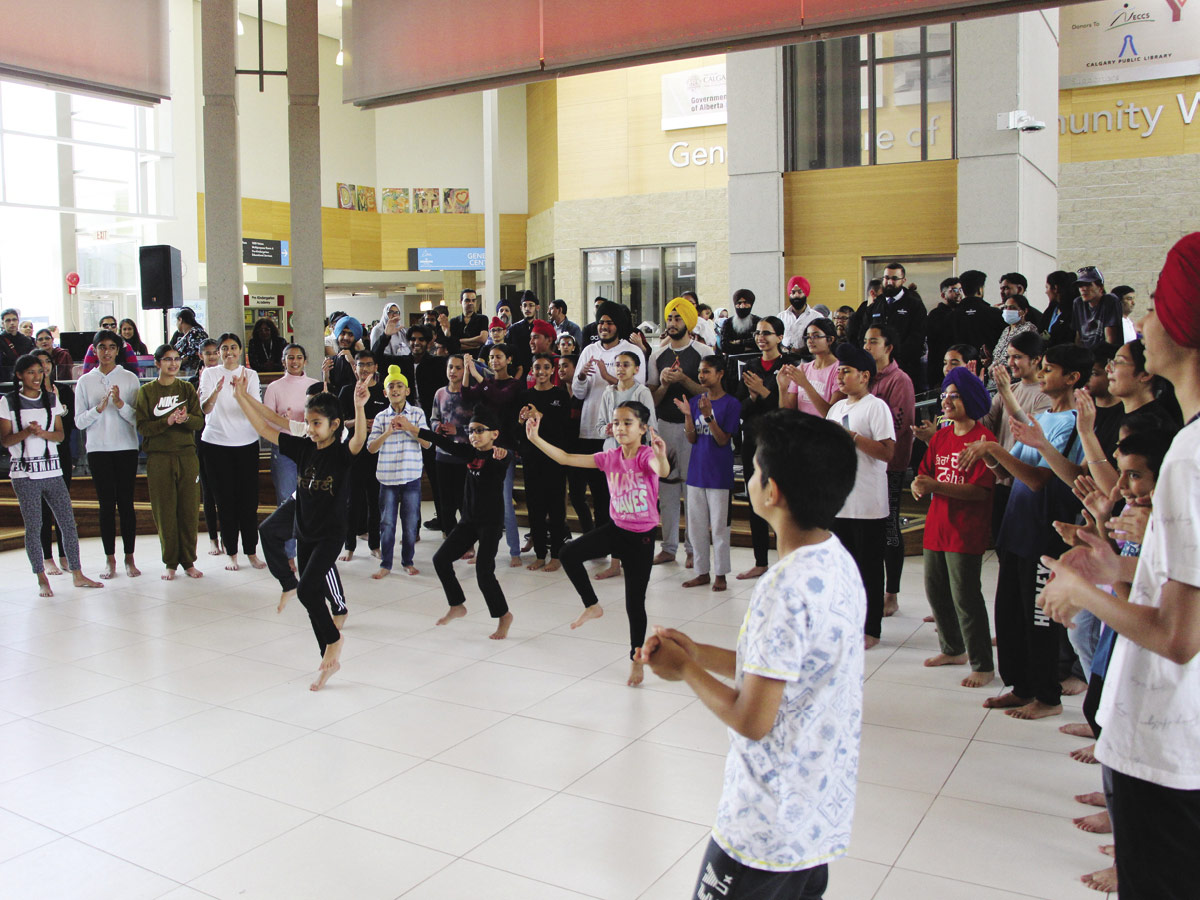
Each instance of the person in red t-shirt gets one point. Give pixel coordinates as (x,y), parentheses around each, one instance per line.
(957,529)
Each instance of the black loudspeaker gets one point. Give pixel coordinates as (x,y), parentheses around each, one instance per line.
(162,277)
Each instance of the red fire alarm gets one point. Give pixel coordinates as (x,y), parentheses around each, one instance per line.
(72,282)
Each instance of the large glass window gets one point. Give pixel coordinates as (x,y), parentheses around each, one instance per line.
(872,99)
(640,277)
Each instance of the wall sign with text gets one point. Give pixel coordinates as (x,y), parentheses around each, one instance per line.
(1115,41)
(694,98)
(265,253)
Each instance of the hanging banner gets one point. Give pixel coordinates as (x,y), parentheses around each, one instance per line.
(694,98)
(1116,41)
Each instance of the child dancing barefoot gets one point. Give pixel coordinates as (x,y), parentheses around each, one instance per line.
(632,470)
(322,503)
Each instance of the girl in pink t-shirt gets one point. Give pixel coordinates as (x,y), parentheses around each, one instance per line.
(633,470)
(812,386)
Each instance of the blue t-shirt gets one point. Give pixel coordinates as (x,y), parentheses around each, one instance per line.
(1023,530)
(711,466)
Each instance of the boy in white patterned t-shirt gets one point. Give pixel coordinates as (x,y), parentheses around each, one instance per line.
(795,709)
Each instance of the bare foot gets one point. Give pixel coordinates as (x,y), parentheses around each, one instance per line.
(256,562)
(339,622)
(637,673)
(535,565)
(930,619)
(1078,729)
(292,566)
(1072,686)
(324,675)
(941,659)
(470,559)
(1035,709)
(412,570)
(1104,880)
(1007,700)
(44,585)
(869,641)
(168,575)
(382,573)
(1095,798)
(193,572)
(215,549)
(993,642)
(232,565)
(688,562)
(62,564)
(130,569)
(455,612)
(1096,823)
(978,679)
(110,568)
(502,625)
(284,598)
(611,572)
(553,566)
(696,582)
(589,613)
(52,569)
(752,572)
(662,557)
(1109,850)
(1085,755)
(347,556)
(719,583)
(527,546)
(891,605)
(469,555)
(81,580)
(514,562)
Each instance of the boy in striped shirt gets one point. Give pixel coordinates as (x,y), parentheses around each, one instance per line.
(399,472)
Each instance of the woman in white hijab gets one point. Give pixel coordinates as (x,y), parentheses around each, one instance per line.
(398,345)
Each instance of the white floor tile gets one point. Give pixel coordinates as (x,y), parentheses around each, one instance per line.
(490,686)
(226,678)
(896,757)
(442,807)
(162,619)
(233,633)
(629,712)
(465,880)
(71,795)
(324,859)
(69,868)
(52,687)
(211,741)
(1008,849)
(1033,780)
(931,710)
(121,713)
(26,746)
(856,879)
(316,772)
(14,663)
(563,655)
(415,725)
(19,835)
(534,752)
(901,884)
(679,880)
(884,820)
(399,668)
(193,830)
(666,781)
(150,659)
(693,728)
(294,703)
(590,847)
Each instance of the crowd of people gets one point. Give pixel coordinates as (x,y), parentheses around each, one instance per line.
(1050,434)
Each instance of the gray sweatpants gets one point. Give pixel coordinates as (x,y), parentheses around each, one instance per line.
(708,523)
(30,494)
(671,489)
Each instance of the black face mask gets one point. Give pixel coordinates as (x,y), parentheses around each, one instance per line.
(741,311)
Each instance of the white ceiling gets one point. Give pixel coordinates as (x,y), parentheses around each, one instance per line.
(329,14)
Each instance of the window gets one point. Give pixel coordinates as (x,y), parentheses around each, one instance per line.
(640,277)
(871,99)
(541,278)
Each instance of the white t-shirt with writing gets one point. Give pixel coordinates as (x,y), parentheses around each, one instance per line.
(787,802)
(872,418)
(34,457)
(1150,709)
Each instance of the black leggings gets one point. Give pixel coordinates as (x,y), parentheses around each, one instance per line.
(49,526)
(1027,640)
(865,540)
(893,556)
(316,562)
(364,501)
(236,484)
(760,531)
(208,492)
(598,482)
(452,477)
(459,541)
(545,486)
(113,474)
(635,550)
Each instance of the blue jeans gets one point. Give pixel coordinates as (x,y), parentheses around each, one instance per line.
(283,476)
(512,534)
(1084,637)
(406,498)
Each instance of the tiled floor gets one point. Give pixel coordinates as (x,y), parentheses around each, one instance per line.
(159,740)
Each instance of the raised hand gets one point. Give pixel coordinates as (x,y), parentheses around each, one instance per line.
(1065,583)
(116,396)
(683,406)
(1130,525)
(1085,411)
(705,405)
(1097,502)
(327,367)
(586,369)
(1031,434)
(532,424)
(1094,560)
(754,384)
(361,394)
(971,454)
(392,325)
(499,453)
(1003,379)
(658,444)
(602,369)
(220,385)
(924,430)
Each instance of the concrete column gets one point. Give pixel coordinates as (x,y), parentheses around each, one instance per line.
(304,169)
(222,187)
(491,208)
(1007,180)
(68,313)
(754,81)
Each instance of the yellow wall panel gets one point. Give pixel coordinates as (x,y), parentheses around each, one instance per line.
(1171,135)
(541,144)
(833,218)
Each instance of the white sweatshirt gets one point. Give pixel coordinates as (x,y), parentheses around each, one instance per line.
(113,429)
(227,425)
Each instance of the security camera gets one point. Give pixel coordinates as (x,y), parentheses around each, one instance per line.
(1018,120)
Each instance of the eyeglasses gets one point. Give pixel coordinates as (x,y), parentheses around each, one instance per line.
(816,337)
(896,278)
(945,396)
(1117,361)
(170,359)
(109,326)
(766,334)
(478,429)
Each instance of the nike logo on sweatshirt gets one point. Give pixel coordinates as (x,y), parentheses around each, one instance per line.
(166,404)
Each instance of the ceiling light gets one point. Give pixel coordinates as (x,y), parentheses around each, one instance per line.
(341,55)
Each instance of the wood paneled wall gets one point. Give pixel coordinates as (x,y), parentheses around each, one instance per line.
(541,144)
(378,241)
(833,218)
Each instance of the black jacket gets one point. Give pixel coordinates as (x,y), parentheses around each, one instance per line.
(424,377)
(907,315)
(970,321)
(733,343)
